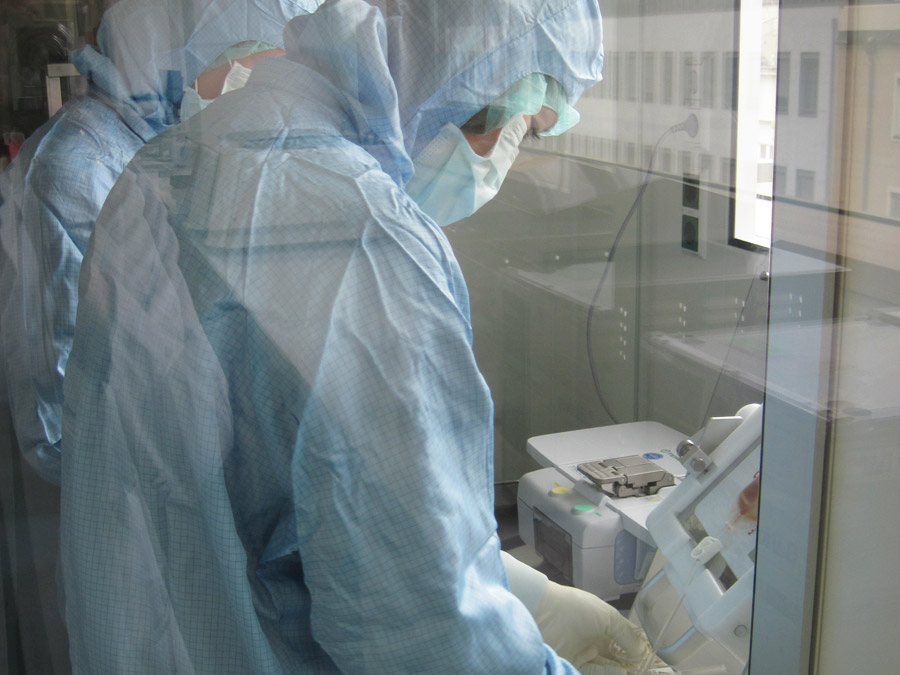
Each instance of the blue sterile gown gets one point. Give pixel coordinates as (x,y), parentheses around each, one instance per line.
(51,194)
(277,444)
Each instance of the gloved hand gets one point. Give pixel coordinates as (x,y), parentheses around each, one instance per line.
(579,626)
(588,632)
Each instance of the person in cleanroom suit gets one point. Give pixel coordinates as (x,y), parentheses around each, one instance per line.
(148,52)
(278,445)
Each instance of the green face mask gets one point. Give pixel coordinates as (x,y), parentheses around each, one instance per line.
(451,181)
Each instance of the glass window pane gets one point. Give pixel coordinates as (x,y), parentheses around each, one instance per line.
(300,352)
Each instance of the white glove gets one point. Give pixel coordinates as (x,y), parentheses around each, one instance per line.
(584,630)
(579,626)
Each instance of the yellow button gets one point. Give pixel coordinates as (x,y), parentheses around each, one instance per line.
(559,491)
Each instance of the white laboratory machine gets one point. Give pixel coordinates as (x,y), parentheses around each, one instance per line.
(640,507)
(592,529)
(696,603)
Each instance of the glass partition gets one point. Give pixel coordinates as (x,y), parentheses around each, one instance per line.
(604,282)
(830,455)
(693,319)
(686,310)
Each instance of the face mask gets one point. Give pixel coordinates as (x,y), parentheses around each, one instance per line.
(451,181)
(236,78)
(191,103)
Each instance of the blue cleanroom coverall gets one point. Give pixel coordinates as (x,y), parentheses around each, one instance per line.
(277,444)
(147,51)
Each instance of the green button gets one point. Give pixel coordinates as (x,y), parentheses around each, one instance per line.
(584,507)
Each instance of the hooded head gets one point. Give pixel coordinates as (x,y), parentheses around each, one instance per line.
(147,50)
(403,69)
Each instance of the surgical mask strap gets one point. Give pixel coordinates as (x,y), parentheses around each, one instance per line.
(237,77)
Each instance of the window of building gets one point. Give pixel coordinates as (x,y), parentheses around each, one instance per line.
(668,78)
(690,80)
(808,103)
(708,79)
(726,170)
(631,154)
(665,163)
(806,184)
(706,166)
(611,76)
(896,129)
(630,77)
(752,166)
(780,181)
(729,80)
(782,97)
(648,77)
(894,204)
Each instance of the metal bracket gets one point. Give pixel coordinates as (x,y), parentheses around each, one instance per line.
(692,456)
(629,476)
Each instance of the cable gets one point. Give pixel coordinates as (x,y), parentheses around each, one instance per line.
(690,125)
(761,277)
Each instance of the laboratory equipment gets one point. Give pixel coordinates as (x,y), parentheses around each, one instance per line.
(585,513)
(640,507)
(695,605)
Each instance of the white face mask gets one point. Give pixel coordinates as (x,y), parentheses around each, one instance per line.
(451,181)
(236,78)
(192,103)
